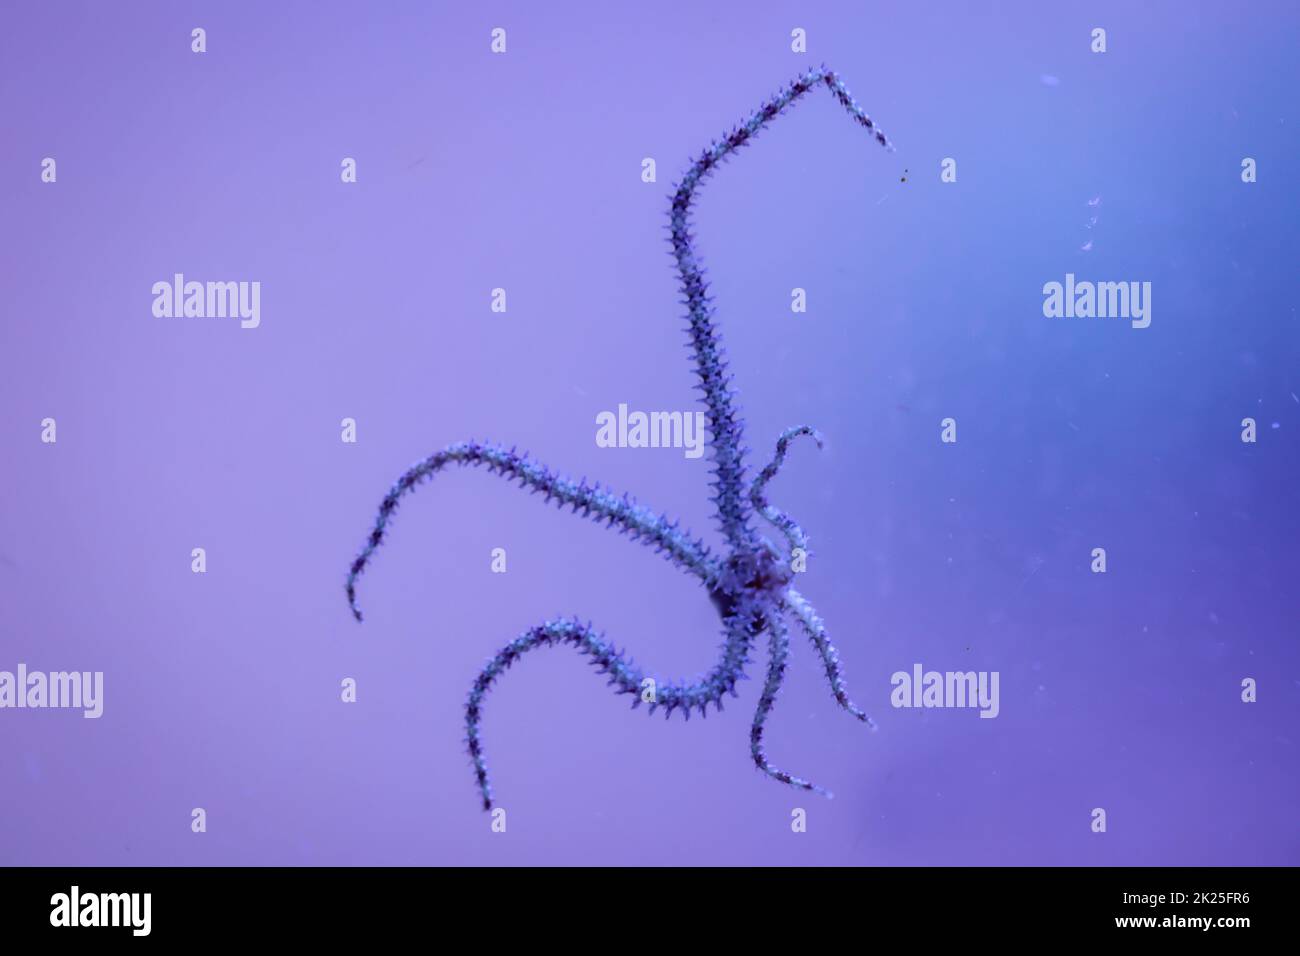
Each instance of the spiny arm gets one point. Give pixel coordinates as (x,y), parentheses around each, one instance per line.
(624,676)
(591,500)
(778,653)
(816,631)
(725,425)
(787,525)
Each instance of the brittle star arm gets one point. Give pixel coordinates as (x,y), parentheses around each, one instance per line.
(725,426)
(787,525)
(624,675)
(594,502)
(816,631)
(778,653)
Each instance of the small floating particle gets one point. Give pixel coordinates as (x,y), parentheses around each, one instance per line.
(1095,201)
(1086,247)
(1048,80)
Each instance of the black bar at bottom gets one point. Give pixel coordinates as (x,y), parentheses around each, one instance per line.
(643,907)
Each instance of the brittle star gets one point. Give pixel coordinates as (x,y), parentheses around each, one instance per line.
(750,586)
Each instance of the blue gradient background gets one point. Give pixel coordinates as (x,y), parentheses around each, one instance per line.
(523,171)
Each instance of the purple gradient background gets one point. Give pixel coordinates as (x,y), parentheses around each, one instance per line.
(522,171)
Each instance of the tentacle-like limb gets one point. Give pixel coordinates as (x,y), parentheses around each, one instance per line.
(725,425)
(779,651)
(816,631)
(784,523)
(721,680)
(593,501)
(624,676)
